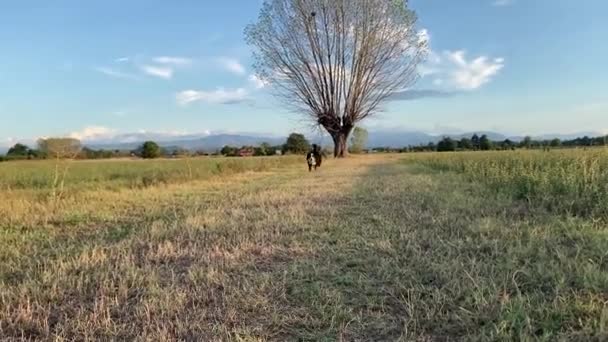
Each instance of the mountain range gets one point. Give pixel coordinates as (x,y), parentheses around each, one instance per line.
(213,142)
(190,142)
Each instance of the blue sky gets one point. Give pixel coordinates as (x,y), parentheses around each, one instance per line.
(182,67)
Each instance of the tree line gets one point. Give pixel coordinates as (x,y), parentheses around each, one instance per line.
(484,143)
(70,148)
(296,143)
(59,148)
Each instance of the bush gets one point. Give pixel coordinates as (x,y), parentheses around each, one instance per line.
(150,150)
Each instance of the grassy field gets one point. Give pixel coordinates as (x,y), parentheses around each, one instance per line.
(571,182)
(131,173)
(426,247)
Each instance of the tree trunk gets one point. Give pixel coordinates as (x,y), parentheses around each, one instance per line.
(341,143)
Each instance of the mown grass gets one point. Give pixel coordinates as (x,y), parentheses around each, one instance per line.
(366,249)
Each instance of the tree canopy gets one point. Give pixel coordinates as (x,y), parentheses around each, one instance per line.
(18,151)
(336,61)
(296,143)
(150,150)
(485,143)
(447,144)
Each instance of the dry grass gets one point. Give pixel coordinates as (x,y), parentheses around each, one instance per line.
(367,248)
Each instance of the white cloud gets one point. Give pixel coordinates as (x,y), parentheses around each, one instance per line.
(114,73)
(122,60)
(158,71)
(453,69)
(218,96)
(501,3)
(257,82)
(177,61)
(232,65)
(470,75)
(92,132)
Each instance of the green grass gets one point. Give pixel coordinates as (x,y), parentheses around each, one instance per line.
(369,248)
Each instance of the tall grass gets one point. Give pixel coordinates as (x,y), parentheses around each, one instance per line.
(113,174)
(574,182)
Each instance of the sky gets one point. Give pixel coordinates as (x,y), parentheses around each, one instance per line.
(97,69)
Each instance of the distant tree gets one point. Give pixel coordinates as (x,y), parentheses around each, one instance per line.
(229,151)
(35,154)
(180,152)
(259,151)
(264,150)
(555,142)
(485,143)
(87,153)
(18,151)
(526,142)
(150,150)
(60,148)
(358,140)
(507,144)
(475,141)
(465,144)
(599,141)
(296,143)
(446,144)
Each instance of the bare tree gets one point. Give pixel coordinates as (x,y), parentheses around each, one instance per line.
(60,148)
(336,61)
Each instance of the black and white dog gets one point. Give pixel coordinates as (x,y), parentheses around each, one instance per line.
(314,158)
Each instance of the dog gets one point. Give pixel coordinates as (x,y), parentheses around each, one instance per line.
(314,158)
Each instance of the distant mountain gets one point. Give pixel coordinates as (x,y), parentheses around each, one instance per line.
(398,138)
(380,138)
(213,142)
(206,143)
